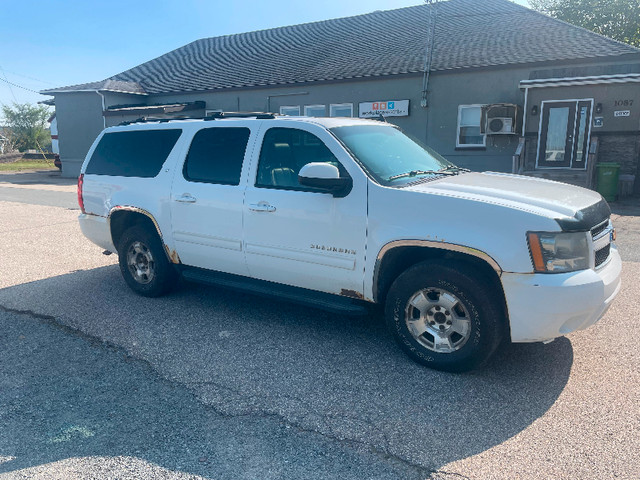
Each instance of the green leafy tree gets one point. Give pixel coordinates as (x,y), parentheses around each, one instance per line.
(27,125)
(617,19)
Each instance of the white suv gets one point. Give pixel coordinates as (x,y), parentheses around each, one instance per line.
(342,213)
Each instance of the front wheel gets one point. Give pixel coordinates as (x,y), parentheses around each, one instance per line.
(144,264)
(444,317)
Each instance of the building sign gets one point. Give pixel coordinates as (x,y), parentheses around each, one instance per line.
(386,108)
(622,113)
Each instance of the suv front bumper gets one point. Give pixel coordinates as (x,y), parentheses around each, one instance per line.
(545,306)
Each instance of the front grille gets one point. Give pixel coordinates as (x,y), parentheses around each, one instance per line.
(601,235)
(595,231)
(602,255)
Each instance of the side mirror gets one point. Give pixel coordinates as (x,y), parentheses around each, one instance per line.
(325,177)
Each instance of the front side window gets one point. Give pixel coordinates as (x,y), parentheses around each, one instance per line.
(216,155)
(139,153)
(469,126)
(314,111)
(341,110)
(291,110)
(284,152)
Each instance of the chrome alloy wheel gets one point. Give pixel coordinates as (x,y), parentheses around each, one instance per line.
(438,320)
(140,262)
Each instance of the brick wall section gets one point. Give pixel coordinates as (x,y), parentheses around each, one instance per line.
(625,150)
(622,149)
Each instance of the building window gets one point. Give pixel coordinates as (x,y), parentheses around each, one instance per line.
(341,110)
(315,111)
(291,110)
(469,126)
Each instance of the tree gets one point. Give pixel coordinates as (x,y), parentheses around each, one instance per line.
(27,125)
(617,19)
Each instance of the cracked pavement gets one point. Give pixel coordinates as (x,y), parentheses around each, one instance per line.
(96,382)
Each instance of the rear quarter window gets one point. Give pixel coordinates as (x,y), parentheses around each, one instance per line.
(132,154)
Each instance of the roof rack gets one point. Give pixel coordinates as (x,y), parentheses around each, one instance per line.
(211,116)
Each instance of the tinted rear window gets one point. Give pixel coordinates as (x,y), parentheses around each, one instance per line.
(216,155)
(132,154)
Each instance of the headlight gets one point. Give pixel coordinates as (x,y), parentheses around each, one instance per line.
(559,252)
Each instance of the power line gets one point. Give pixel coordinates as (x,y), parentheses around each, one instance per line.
(30,78)
(10,89)
(16,85)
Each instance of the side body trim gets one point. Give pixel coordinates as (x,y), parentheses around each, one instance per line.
(430,244)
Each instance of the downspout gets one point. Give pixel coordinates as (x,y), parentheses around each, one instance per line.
(433,18)
(104,119)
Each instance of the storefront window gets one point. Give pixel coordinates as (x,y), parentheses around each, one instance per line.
(315,111)
(292,110)
(341,110)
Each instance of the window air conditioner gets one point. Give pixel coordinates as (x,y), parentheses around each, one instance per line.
(500,119)
(500,125)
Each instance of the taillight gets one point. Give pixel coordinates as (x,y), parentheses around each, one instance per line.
(80,199)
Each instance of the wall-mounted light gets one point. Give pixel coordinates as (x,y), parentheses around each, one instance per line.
(598,108)
(534,110)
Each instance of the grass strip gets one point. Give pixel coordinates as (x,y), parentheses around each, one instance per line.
(22,165)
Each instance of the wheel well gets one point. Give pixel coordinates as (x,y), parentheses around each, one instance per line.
(120,221)
(399,259)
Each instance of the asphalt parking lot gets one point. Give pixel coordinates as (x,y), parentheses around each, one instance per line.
(96,382)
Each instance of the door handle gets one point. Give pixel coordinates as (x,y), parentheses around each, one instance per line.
(186,198)
(262,207)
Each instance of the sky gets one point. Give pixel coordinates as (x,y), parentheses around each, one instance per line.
(55,43)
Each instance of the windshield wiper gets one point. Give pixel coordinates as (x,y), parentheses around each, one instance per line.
(458,169)
(443,171)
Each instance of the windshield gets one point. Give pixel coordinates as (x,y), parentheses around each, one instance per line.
(390,157)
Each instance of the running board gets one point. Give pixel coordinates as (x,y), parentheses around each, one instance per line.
(302,296)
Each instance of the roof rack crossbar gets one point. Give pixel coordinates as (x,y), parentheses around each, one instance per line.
(258,115)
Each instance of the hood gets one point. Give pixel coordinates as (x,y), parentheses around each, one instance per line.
(574,208)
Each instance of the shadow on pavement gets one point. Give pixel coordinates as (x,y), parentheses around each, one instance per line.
(252,385)
(41,177)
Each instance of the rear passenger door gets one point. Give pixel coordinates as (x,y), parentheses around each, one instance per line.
(207,197)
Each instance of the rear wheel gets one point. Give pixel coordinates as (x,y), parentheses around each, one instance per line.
(144,264)
(444,316)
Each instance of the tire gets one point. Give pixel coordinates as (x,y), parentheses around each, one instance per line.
(144,264)
(445,316)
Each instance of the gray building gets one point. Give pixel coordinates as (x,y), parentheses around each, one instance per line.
(491,85)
